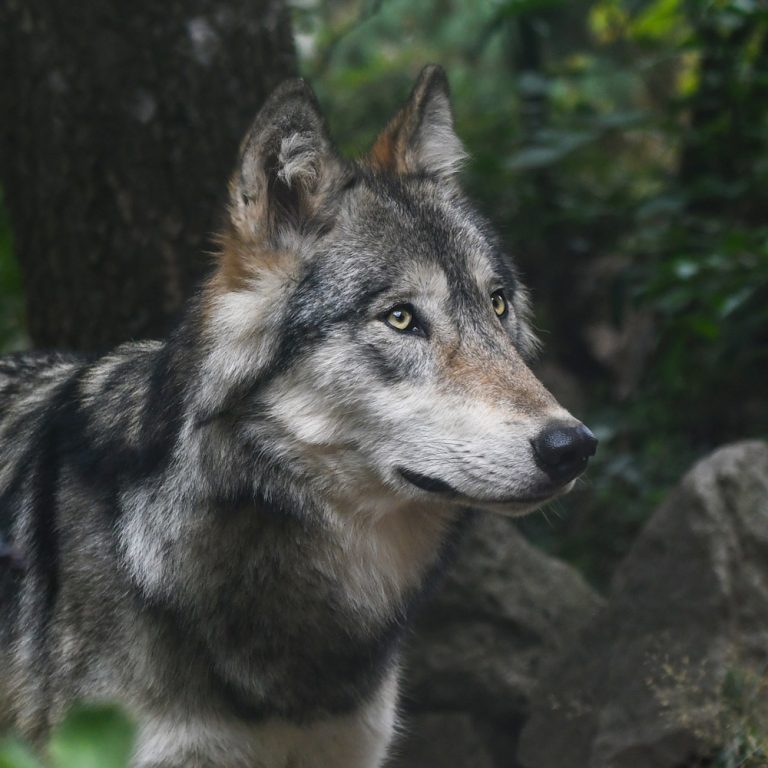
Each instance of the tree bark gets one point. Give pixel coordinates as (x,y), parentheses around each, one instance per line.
(120,125)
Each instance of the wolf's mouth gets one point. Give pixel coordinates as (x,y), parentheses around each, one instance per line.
(430,484)
(434,485)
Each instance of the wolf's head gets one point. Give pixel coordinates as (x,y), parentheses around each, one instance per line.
(366,323)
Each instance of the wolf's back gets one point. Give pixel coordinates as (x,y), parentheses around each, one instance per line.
(25,378)
(28,386)
(29,383)
(63,431)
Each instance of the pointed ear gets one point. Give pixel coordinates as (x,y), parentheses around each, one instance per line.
(421,138)
(287,163)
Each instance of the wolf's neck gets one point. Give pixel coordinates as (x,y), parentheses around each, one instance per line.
(224,491)
(252,558)
(266,531)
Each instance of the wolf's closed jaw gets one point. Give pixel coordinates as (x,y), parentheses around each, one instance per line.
(562,450)
(429,484)
(445,490)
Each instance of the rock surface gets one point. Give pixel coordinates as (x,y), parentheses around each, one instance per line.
(475,658)
(442,740)
(662,678)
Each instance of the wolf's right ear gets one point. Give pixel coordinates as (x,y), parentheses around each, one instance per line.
(421,137)
(287,164)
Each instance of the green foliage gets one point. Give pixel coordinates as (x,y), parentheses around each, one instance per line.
(13,754)
(744,713)
(12,334)
(90,737)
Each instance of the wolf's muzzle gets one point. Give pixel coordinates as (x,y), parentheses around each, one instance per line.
(563,450)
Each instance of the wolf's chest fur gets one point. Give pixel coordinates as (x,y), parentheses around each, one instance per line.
(298,615)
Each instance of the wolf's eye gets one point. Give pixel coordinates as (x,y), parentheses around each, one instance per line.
(499,303)
(401,318)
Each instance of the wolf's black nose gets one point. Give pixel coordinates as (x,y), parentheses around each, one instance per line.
(563,450)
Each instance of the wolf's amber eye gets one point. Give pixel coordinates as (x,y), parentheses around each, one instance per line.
(499,302)
(401,319)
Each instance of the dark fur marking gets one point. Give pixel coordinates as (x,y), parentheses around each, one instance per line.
(387,371)
(327,668)
(60,435)
(429,484)
(11,558)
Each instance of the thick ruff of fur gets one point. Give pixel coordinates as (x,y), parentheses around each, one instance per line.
(227,531)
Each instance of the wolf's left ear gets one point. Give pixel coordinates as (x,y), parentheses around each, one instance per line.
(287,165)
(421,138)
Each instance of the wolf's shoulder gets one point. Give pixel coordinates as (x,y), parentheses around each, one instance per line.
(29,379)
(23,371)
(21,364)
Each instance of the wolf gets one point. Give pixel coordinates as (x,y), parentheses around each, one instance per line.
(228,531)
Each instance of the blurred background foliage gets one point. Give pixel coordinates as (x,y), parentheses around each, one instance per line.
(620,146)
(12,336)
(89,737)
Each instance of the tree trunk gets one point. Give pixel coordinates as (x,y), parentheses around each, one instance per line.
(119,127)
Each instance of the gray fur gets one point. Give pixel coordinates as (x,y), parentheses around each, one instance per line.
(218,530)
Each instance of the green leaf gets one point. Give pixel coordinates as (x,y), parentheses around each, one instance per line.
(553,147)
(662,19)
(704,327)
(15,755)
(735,300)
(534,157)
(619,119)
(686,268)
(93,737)
(512,8)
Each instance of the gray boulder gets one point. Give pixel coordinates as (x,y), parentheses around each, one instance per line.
(442,740)
(673,669)
(473,662)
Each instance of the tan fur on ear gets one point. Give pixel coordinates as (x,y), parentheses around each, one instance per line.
(286,163)
(242,263)
(420,138)
(247,213)
(383,155)
(281,191)
(235,262)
